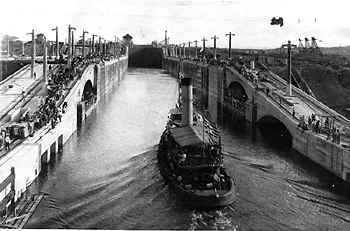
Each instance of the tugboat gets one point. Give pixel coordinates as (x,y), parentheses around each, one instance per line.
(190,159)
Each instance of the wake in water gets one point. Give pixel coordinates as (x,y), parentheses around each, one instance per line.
(222,219)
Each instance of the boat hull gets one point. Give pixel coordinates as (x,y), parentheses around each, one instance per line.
(203,199)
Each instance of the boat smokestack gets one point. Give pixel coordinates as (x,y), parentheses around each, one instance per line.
(187,101)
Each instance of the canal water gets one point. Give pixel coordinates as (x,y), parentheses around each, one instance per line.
(107,175)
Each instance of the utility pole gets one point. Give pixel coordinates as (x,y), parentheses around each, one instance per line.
(289,67)
(99,44)
(57,44)
(204,46)
(184,47)
(168,51)
(84,32)
(33,54)
(90,46)
(229,44)
(93,43)
(104,47)
(73,48)
(69,45)
(45,62)
(180,50)
(195,42)
(215,45)
(166,38)
(189,48)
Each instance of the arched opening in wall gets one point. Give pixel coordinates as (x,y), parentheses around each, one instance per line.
(43,163)
(60,143)
(89,95)
(236,96)
(236,91)
(274,131)
(52,153)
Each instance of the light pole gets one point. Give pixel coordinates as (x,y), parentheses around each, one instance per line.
(180,50)
(90,45)
(166,38)
(204,46)
(57,44)
(33,54)
(45,62)
(99,44)
(93,43)
(73,48)
(289,67)
(184,47)
(195,42)
(69,44)
(189,48)
(104,47)
(84,32)
(215,38)
(229,44)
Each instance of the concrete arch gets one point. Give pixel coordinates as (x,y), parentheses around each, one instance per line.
(272,127)
(88,88)
(237,91)
(236,80)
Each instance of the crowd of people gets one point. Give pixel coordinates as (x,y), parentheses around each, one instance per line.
(52,106)
(316,125)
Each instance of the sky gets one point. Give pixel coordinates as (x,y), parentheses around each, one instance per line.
(185,21)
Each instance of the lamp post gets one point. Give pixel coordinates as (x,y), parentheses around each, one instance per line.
(195,42)
(99,44)
(184,47)
(215,38)
(93,43)
(289,67)
(69,44)
(104,47)
(45,62)
(33,54)
(229,44)
(204,46)
(90,45)
(189,48)
(84,32)
(73,48)
(166,38)
(57,44)
(179,50)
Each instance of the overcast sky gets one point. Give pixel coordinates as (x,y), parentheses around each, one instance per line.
(147,20)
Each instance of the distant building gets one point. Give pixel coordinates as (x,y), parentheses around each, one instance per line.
(268,61)
(127,41)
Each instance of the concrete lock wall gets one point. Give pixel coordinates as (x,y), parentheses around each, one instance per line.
(323,152)
(27,157)
(212,82)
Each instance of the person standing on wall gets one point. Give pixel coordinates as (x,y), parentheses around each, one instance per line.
(7,142)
